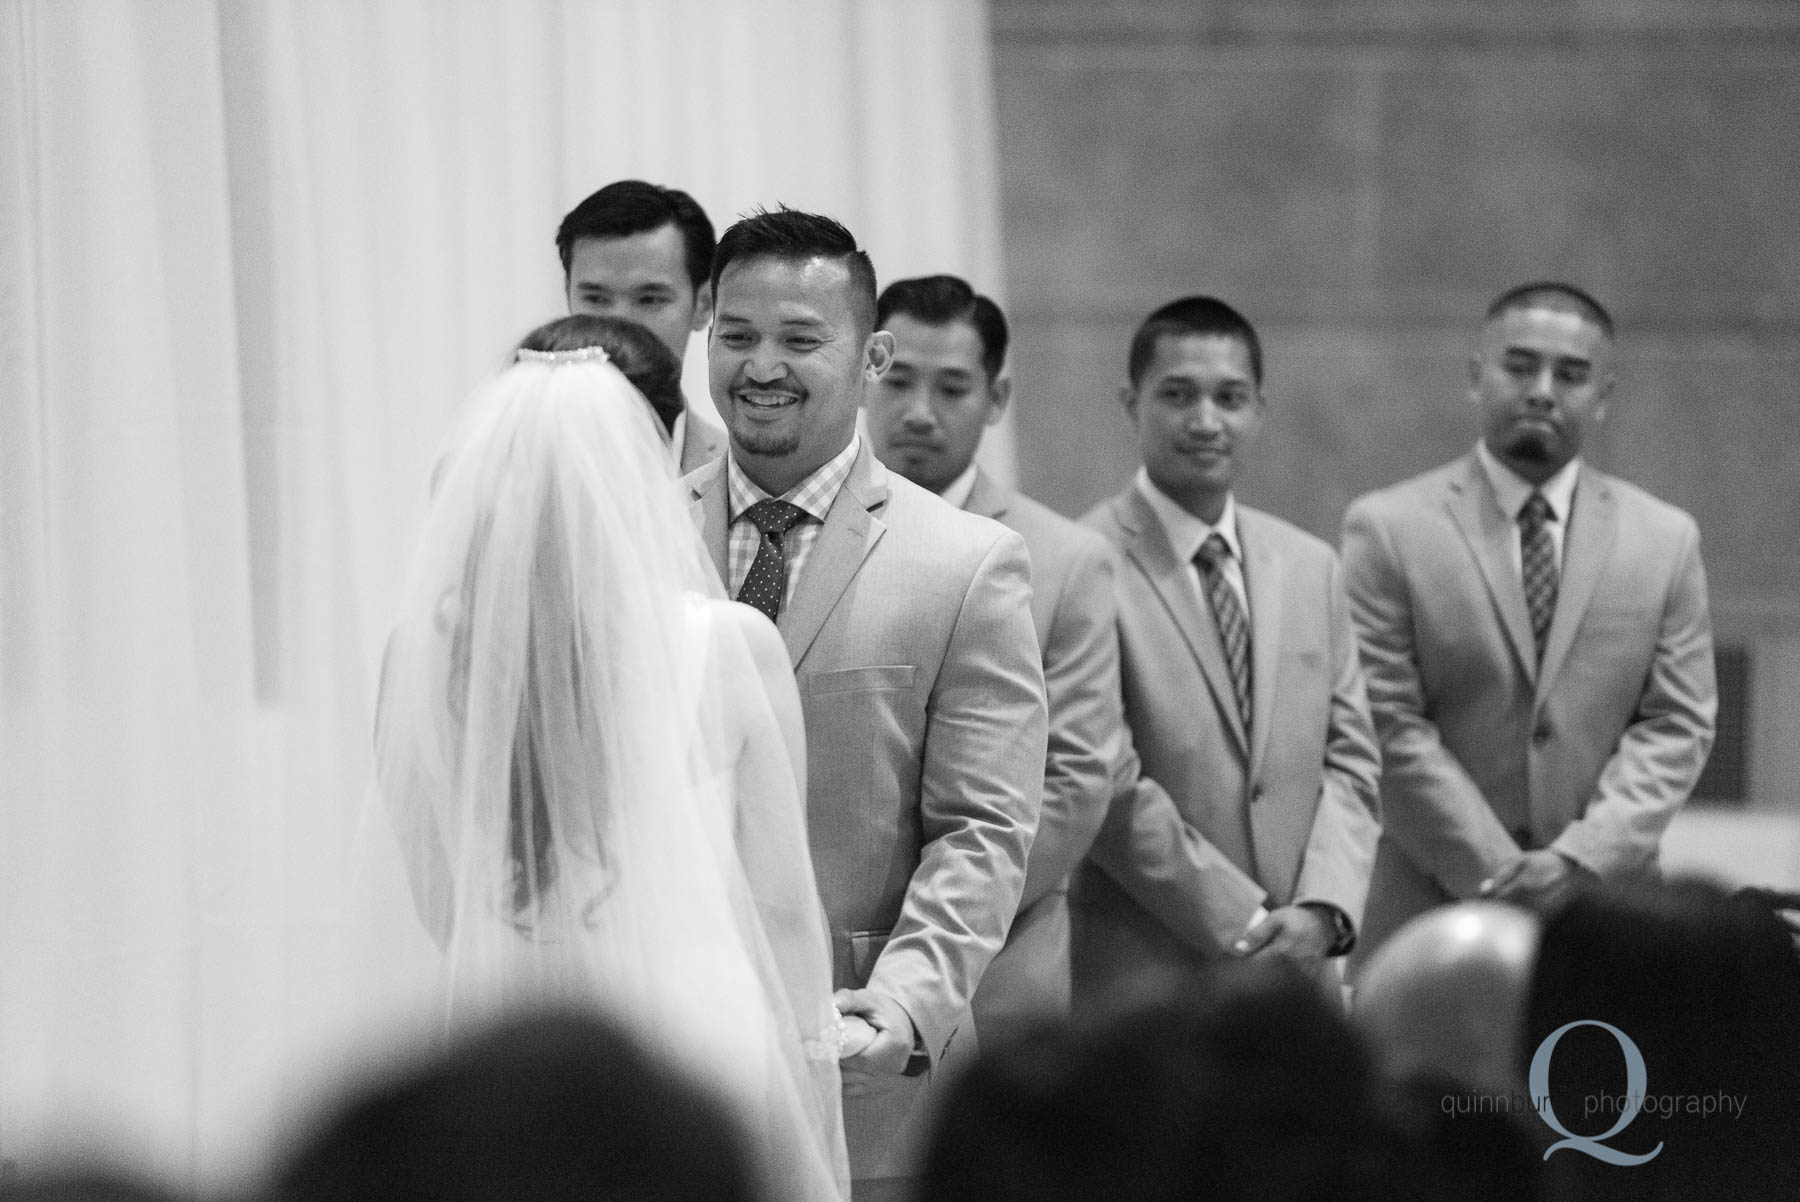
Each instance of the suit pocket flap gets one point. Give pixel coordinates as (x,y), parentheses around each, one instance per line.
(851,680)
(865,949)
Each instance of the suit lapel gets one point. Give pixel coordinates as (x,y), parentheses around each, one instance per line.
(1489,533)
(1588,537)
(850,532)
(707,497)
(1262,581)
(1148,546)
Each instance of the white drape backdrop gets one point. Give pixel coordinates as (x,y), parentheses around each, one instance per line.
(252,254)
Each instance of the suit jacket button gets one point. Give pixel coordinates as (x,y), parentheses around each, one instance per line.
(1256,792)
(1541,735)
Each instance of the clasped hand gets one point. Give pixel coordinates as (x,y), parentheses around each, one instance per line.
(1298,932)
(878,1039)
(1538,880)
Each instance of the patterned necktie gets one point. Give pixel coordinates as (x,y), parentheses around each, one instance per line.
(1537,564)
(767,581)
(1228,615)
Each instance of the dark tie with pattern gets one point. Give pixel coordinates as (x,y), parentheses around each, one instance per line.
(767,580)
(1228,614)
(1537,566)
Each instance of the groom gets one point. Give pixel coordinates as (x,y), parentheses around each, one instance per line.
(909,629)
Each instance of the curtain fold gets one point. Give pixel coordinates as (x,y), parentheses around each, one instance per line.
(252,256)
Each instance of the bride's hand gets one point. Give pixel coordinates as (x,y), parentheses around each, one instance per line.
(857,1035)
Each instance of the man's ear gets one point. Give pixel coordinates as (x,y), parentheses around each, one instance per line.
(1128,398)
(702,309)
(1475,378)
(999,396)
(1600,398)
(878,354)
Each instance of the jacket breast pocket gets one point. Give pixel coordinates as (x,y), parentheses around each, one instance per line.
(861,680)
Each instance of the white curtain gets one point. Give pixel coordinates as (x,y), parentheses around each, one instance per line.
(252,254)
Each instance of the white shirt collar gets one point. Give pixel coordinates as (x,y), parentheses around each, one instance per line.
(678,437)
(1186,532)
(956,493)
(1514,490)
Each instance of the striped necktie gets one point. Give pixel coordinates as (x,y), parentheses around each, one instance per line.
(1228,615)
(1537,564)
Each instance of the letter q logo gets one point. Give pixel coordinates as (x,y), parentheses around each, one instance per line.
(1636,1077)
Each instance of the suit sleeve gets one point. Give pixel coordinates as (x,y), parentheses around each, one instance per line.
(1340,851)
(1166,866)
(1432,810)
(1662,751)
(980,785)
(1081,681)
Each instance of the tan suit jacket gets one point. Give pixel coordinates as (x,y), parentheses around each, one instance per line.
(1220,821)
(911,638)
(703,441)
(1076,615)
(1486,752)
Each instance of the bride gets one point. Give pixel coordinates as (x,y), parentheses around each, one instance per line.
(595,764)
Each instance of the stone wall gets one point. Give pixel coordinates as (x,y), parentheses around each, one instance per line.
(1361,178)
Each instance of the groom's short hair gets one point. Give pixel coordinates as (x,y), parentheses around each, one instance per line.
(792,236)
(632,206)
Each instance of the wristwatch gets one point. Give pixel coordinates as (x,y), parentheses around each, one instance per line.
(1343,935)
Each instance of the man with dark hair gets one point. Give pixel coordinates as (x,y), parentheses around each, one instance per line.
(1253,823)
(635,250)
(1536,634)
(926,418)
(909,629)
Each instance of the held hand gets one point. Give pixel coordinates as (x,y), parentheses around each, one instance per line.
(883,1057)
(856,1033)
(1538,880)
(1298,932)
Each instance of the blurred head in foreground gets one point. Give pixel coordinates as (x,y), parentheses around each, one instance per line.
(553,1105)
(1663,1023)
(1446,996)
(1244,1083)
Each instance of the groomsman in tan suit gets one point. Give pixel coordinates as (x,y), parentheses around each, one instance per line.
(642,252)
(909,627)
(1253,824)
(1537,638)
(926,417)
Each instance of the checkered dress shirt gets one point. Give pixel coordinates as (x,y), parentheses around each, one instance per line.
(813,494)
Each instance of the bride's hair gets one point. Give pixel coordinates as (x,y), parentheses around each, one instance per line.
(640,355)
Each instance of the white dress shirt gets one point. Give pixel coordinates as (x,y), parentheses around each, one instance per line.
(956,493)
(1187,534)
(1514,490)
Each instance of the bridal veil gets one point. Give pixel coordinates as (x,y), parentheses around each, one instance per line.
(587,773)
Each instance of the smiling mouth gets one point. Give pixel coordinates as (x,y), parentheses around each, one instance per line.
(768,400)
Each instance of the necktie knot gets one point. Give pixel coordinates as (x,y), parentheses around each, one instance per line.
(1213,553)
(1536,513)
(774,516)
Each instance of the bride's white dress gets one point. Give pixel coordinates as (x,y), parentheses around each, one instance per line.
(588,774)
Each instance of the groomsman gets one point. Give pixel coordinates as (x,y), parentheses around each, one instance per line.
(1253,825)
(947,384)
(909,627)
(642,252)
(1537,637)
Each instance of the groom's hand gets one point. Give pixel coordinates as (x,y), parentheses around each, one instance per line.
(886,1055)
